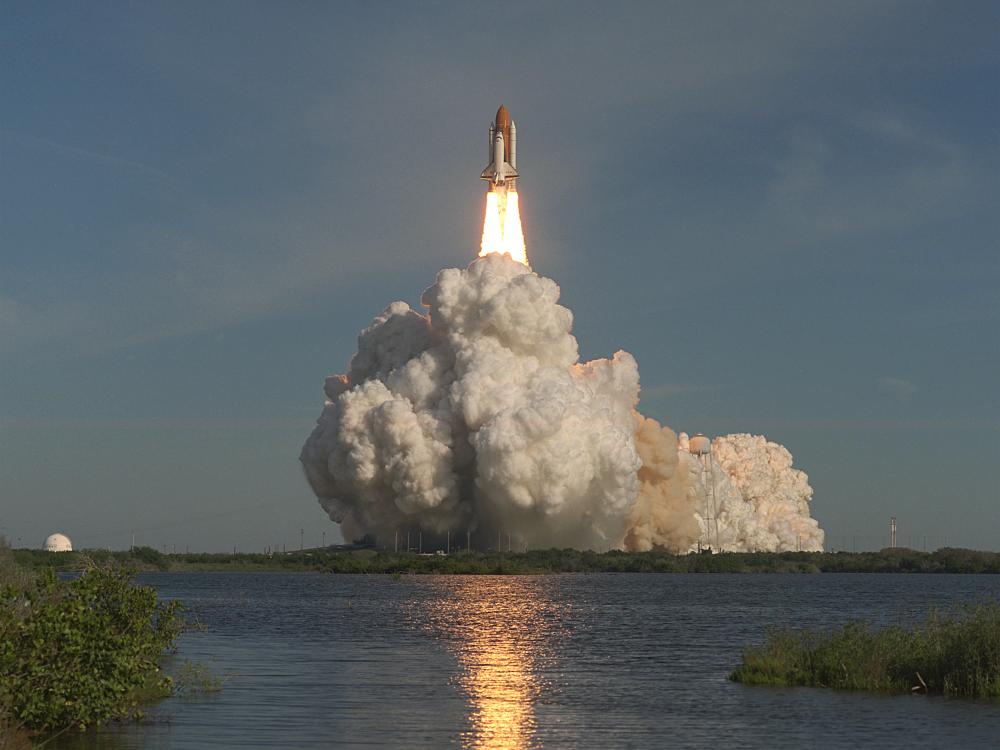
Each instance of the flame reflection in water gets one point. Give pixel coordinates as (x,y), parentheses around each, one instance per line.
(499,629)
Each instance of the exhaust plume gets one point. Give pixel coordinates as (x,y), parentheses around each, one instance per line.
(502,232)
(479,417)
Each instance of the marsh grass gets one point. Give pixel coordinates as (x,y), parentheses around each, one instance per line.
(956,653)
(193,678)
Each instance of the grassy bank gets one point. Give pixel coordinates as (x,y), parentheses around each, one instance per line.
(948,654)
(333,560)
(79,652)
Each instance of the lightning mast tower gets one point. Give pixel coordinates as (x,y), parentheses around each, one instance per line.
(892,532)
(701,446)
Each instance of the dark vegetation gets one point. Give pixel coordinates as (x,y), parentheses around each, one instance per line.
(948,654)
(80,651)
(371,560)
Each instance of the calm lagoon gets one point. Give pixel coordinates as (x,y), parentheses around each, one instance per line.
(598,660)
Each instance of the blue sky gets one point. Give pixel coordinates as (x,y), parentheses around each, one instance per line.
(786,211)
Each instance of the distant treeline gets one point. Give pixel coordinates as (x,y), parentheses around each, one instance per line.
(332,560)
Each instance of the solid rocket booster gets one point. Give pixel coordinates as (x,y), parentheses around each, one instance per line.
(502,167)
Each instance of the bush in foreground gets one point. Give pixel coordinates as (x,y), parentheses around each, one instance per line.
(956,654)
(81,652)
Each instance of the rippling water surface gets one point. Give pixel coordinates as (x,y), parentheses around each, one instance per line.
(639,660)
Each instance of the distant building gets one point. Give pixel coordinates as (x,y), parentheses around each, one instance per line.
(57,543)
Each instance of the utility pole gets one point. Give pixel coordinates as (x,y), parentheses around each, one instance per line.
(302,539)
(395,547)
(499,546)
(447,543)
(407,541)
(508,541)
(420,542)
(132,548)
(468,541)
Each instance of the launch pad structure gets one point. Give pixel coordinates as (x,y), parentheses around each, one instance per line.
(700,446)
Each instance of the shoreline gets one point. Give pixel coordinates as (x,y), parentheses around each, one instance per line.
(534,562)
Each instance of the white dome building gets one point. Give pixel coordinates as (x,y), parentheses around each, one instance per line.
(57,543)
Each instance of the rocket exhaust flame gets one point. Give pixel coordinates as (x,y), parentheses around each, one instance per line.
(502,231)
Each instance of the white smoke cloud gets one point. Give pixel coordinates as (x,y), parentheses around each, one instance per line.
(761,502)
(479,417)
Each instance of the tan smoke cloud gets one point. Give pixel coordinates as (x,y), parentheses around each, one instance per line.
(663,515)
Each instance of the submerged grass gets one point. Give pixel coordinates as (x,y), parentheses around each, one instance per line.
(956,654)
(193,679)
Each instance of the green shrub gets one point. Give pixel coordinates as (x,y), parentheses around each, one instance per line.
(81,652)
(13,575)
(957,654)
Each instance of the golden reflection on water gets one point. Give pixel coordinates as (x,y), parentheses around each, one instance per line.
(500,630)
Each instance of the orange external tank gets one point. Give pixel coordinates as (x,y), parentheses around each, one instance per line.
(503,126)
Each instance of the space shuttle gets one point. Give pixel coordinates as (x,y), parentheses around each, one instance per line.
(502,169)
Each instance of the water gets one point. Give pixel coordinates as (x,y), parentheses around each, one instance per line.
(564,661)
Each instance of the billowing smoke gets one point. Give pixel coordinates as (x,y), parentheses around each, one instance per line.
(479,418)
(761,502)
(665,513)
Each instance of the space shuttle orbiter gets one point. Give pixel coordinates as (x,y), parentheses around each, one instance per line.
(502,169)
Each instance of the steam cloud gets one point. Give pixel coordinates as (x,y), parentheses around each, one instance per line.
(479,416)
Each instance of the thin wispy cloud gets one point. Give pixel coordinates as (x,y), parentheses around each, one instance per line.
(32,141)
(870,172)
(898,388)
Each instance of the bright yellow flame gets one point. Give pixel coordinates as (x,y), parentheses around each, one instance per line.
(492,228)
(513,236)
(502,231)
